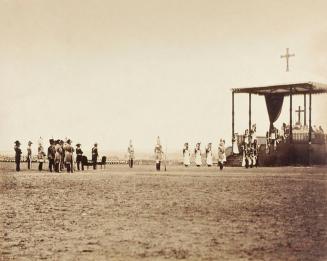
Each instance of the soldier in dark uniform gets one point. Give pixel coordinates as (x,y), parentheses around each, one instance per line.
(95,155)
(62,156)
(29,155)
(18,153)
(51,154)
(57,158)
(79,156)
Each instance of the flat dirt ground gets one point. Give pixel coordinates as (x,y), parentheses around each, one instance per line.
(184,213)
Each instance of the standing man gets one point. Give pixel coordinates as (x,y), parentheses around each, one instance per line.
(95,155)
(79,156)
(69,156)
(246,137)
(57,159)
(29,155)
(130,154)
(18,153)
(40,155)
(62,155)
(158,152)
(186,155)
(51,154)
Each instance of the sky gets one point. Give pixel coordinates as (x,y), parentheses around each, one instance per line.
(110,71)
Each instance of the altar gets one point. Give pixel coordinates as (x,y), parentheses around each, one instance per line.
(301,143)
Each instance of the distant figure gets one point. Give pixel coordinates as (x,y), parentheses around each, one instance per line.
(69,156)
(95,155)
(225,158)
(255,153)
(51,154)
(79,157)
(186,155)
(221,154)
(321,130)
(273,138)
(248,156)
(158,154)
(235,145)
(40,155)
(209,154)
(62,155)
(282,133)
(58,153)
(315,129)
(130,151)
(246,136)
(254,132)
(198,156)
(18,153)
(29,155)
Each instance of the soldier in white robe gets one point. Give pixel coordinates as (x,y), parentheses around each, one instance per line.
(130,151)
(221,154)
(209,154)
(158,152)
(29,155)
(198,156)
(186,155)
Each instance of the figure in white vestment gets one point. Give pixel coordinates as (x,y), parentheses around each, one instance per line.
(158,152)
(198,156)
(209,154)
(186,155)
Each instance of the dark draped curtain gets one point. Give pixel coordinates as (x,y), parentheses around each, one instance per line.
(274,103)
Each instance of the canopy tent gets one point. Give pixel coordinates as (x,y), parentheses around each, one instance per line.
(286,89)
(274,96)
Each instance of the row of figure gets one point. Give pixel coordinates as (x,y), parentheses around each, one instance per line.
(59,155)
(208,153)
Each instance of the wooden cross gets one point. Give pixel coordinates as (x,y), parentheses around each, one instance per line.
(299,115)
(287,56)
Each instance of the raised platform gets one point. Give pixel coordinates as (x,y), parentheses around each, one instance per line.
(290,154)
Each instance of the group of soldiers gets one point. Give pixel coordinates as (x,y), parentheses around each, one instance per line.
(208,154)
(249,148)
(59,155)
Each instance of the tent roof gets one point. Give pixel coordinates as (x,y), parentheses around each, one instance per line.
(285,89)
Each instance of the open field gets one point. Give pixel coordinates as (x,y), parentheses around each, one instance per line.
(193,214)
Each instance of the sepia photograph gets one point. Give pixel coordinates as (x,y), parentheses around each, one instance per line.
(163,130)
